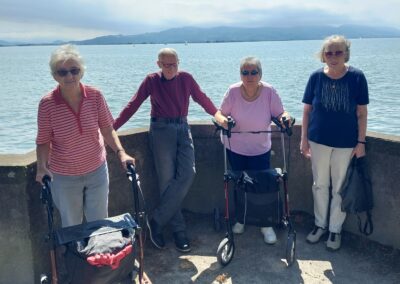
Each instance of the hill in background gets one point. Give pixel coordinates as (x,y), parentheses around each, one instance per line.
(234,34)
(237,34)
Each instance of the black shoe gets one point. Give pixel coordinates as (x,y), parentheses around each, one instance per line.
(156,236)
(181,242)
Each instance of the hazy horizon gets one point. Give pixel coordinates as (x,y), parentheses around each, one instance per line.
(48,20)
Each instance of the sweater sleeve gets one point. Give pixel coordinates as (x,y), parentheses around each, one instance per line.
(201,98)
(133,105)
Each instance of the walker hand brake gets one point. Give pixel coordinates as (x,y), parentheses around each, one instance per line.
(231,124)
(287,128)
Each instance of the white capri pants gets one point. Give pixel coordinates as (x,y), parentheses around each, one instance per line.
(75,196)
(329,165)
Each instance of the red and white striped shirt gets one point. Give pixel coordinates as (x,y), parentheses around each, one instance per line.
(76,144)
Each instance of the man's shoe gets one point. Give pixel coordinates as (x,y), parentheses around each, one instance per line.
(156,235)
(238,228)
(181,242)
(315,235)
(334,241)
(269,235)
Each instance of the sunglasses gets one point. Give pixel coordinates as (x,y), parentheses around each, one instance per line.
(169,65)
(337,53)
(252,72)
(64,72)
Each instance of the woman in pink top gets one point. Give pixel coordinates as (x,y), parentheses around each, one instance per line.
(73,122)
(251,103)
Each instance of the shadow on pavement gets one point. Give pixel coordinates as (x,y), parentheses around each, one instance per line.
(358,261)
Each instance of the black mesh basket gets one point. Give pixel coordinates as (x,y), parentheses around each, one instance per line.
(97,252)
(257,198)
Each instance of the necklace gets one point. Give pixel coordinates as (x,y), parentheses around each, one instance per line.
(252,97)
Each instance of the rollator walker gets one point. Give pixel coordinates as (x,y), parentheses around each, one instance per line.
(271,179)
(111,241)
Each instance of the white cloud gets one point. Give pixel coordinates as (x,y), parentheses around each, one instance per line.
(79,19)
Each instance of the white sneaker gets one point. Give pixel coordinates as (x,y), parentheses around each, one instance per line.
(315,235)
(238,228)
(334,241)
(269,235)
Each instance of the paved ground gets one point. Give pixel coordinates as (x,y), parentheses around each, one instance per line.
(358,261)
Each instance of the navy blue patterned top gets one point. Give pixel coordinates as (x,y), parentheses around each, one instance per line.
(333,120)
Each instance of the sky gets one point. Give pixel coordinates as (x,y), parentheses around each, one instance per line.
(49,20)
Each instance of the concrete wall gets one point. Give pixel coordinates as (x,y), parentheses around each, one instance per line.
(23,220)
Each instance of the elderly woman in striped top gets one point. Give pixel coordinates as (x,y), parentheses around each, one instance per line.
(73,123)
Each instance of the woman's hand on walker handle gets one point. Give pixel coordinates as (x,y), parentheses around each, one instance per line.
(285,119)
(125,159)
(41,172)
(221,119)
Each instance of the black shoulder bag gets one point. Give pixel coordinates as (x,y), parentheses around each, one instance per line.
(356,193)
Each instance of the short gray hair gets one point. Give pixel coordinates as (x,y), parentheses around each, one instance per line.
(251,60)
(335,39)
(167,51)
(64,53)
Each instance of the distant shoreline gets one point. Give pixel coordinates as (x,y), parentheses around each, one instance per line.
(177,42)
(224,34)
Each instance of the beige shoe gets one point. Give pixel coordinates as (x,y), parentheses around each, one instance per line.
(269,235)
(238,228)
(334,241)
(315,235)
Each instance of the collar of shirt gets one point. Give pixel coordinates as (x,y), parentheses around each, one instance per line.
(58,97)
(163,79)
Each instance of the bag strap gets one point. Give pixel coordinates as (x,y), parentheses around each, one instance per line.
(368,226)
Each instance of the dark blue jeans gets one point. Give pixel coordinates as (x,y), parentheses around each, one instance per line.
(240,162)
(173,153)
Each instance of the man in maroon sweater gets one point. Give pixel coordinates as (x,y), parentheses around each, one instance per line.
(170,140)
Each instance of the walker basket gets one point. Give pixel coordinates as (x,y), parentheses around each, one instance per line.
(257,198)
(99,252)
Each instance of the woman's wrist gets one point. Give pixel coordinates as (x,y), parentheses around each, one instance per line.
(119,151)
(362,142)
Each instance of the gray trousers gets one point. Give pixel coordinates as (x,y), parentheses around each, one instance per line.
(173,154)
(75,196)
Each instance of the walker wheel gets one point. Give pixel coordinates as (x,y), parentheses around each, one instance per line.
(225,251)
(44,279)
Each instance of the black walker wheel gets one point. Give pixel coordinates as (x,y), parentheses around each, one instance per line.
(225,251)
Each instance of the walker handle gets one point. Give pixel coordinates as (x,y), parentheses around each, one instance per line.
(287,128)
(227,132)
(131,169)
(45,194)
(231,124)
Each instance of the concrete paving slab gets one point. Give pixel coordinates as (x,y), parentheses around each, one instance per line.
(358,261)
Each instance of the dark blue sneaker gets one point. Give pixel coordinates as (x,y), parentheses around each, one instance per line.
(181,242)
(156,235)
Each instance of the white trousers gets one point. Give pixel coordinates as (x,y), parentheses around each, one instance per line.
(329,166)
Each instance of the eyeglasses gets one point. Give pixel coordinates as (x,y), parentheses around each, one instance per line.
(64,72)
(337,53)
(248,73)
(169,65)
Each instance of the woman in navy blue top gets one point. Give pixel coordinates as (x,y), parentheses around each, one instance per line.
(333,131)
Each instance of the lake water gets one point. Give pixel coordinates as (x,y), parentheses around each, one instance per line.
(119,69)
